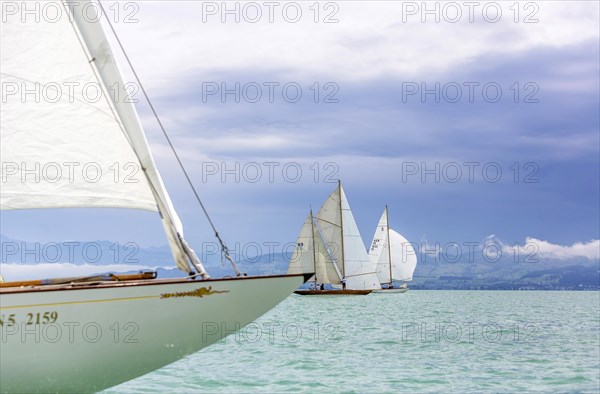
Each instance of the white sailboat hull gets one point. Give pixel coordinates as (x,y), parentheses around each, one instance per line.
(88,338)
(389,291)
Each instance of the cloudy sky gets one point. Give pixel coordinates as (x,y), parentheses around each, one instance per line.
(466,122)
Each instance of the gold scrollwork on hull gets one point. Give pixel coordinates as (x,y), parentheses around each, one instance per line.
(201,292)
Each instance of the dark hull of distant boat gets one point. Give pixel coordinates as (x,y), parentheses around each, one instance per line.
(332,292)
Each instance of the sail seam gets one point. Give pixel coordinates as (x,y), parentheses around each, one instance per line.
(328,222)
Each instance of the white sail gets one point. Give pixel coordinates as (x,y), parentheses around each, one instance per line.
(379,252)
(359,271)
(334,247)
(39,135)
(393,255)
(329,227)
(404,258)
(85,146)
(303,257)
(326,270)
(311,254)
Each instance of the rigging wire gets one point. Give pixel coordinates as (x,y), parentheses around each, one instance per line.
(224,248)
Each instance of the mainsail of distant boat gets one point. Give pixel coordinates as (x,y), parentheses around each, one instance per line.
(393,255)
(330,245)
(88,334)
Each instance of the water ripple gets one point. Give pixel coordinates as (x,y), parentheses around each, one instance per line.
(420,341)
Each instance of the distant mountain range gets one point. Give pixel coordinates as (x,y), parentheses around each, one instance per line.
(433,271)
(506,272)
(87,257)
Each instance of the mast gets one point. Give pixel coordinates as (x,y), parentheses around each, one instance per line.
(312,227)
(387,223)
(342,237)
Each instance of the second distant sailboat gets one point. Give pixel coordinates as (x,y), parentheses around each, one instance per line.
(393,256)
(330,245)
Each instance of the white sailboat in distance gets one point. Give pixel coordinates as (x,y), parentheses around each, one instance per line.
(88,334)
(393,255)
(330,245)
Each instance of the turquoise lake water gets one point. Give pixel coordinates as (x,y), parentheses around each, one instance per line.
(419,341)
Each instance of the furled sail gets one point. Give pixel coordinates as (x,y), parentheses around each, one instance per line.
(70,135)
